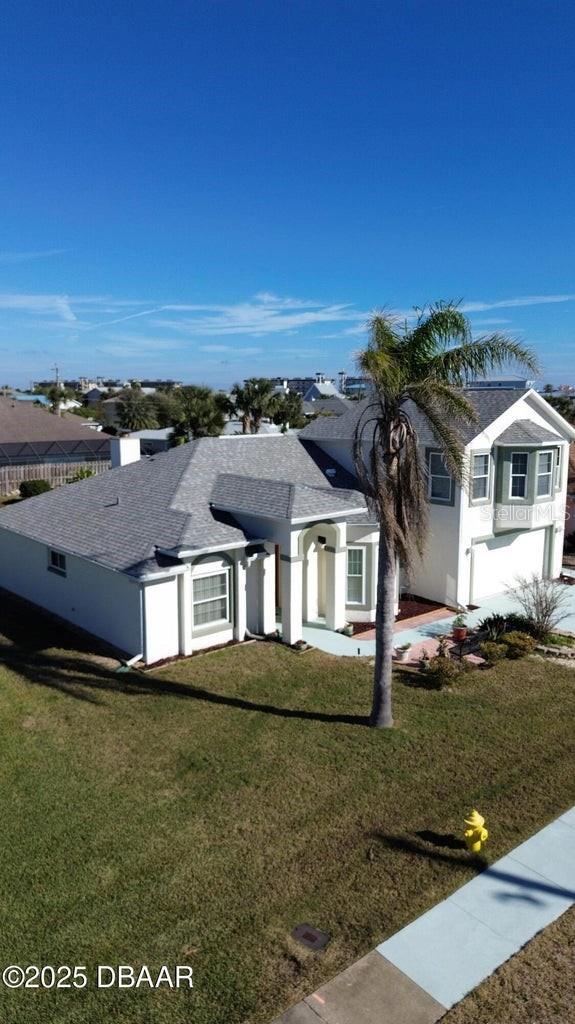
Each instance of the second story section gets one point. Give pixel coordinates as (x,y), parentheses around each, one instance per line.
(516,463)
(518,470)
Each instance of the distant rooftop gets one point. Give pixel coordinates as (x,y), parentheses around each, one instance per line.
(505,383)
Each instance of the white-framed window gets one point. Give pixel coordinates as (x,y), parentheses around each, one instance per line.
(544,474)
(480,477)
(211,598)
(355,575)
(440,483)
(518,482)
(57,562)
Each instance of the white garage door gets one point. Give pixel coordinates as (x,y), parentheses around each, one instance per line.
(499,561)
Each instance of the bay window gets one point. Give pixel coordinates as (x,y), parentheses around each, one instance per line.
(519,463)
(544,474)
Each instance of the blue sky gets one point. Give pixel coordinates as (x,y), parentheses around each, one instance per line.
(208,190)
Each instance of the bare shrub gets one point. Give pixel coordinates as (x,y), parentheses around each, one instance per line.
(542,602)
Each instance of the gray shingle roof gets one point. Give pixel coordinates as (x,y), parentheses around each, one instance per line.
(526,432)
(488,405)
(119,518)
(280,499)
(334,406)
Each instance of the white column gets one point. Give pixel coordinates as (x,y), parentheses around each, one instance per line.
(185,611)
(240,609)
(268,593)
(336,586)
(292,587)
(311,581)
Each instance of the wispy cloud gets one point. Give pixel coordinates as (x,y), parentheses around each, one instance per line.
(27,257)
(522,300)
(103,331)
(257,317)
(42,304)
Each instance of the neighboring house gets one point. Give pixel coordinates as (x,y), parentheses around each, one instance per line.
(235,427)
(353,386)
(111,411)
(93,396)
(29,396)
(153,441)
(335,405)
(195,547)
(37,443)
(303,386)
(509,521)
(69,403)
(320,389)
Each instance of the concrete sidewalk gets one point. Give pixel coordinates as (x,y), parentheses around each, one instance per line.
(419,973)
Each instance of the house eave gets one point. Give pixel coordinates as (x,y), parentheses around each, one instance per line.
(297,521)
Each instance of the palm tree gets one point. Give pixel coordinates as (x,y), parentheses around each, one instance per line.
(289,411)
(421,368)
(256,399)
(201,415)
(136,412)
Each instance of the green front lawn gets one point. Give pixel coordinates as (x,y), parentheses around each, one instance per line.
(197,813)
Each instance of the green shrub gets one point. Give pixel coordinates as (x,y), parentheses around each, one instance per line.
(493,626)
(518,644)
(441,671)
(83,474)
(493,651)
(29,488)
(559,640)
(516,622)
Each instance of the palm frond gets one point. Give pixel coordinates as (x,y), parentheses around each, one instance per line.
(379,360)
(478,358)
(448,436)
(442,323)
(453,401)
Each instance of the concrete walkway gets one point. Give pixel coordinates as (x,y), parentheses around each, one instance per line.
(422,971)
(349,646)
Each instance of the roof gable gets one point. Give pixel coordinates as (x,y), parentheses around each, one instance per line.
(526,432)
(279,499)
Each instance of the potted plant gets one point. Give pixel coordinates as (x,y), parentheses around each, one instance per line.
(402,653)
(459,628)
(347,630)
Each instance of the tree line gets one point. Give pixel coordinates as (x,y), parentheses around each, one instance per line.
(197,411)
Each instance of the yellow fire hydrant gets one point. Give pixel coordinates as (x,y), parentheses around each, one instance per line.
(475,835)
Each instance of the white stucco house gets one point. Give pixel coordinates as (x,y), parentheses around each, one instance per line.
(221,537)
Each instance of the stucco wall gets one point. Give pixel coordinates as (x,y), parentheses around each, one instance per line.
(161,620)
(103,602)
